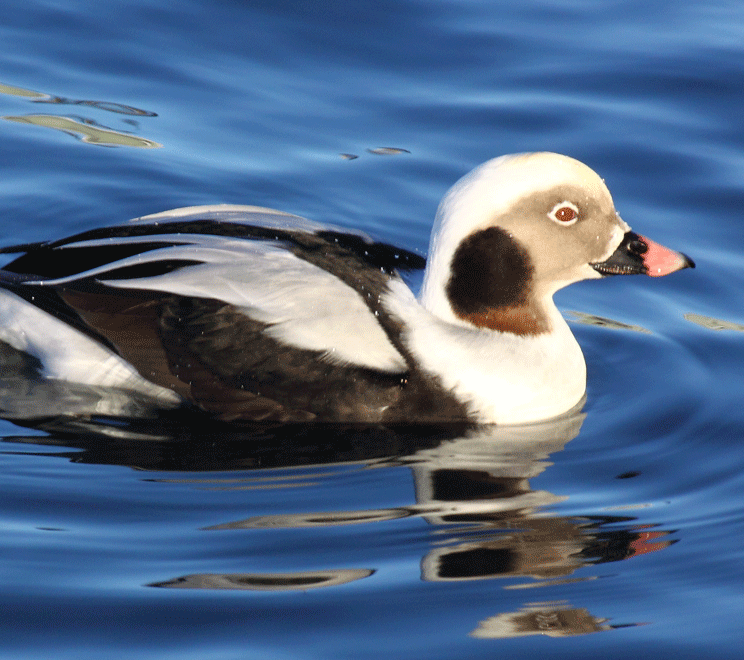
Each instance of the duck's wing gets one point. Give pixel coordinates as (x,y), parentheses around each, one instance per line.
(248,312)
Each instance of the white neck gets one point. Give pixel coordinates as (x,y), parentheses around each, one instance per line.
(504,378)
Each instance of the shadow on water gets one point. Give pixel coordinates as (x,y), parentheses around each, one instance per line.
(471,485)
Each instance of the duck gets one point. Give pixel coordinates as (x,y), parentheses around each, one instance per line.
(250,314)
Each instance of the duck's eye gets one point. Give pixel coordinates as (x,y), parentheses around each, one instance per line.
(564,213)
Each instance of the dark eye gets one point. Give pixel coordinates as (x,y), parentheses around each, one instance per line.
(564,213)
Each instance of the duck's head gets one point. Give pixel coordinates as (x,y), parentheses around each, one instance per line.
(513,231)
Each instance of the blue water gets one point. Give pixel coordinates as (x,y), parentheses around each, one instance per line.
(617,531)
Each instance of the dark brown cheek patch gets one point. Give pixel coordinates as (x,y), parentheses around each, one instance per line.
(489,270)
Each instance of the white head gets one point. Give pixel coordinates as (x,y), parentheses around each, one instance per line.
(511,233)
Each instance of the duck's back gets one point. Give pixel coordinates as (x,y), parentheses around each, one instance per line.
(245,312)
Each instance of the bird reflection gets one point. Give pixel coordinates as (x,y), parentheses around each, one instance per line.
(471,485)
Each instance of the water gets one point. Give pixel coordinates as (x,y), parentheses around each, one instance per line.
(618,531)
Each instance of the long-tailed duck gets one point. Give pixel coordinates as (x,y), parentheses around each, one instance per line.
(254,314)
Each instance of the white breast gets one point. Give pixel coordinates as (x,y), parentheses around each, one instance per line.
(504,378)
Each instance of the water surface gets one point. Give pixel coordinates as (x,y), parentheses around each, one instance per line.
(611,533)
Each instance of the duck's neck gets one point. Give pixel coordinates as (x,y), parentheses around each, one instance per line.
(504,376)
(530,317)
(523,320)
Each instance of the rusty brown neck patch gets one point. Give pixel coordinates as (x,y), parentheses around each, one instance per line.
(523,320)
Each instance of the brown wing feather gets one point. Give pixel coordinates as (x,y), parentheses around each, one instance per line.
(213,355)
(237,371)
(167,350)
(131,324)
(207,349)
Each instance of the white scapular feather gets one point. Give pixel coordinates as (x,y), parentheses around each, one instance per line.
(303,305)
